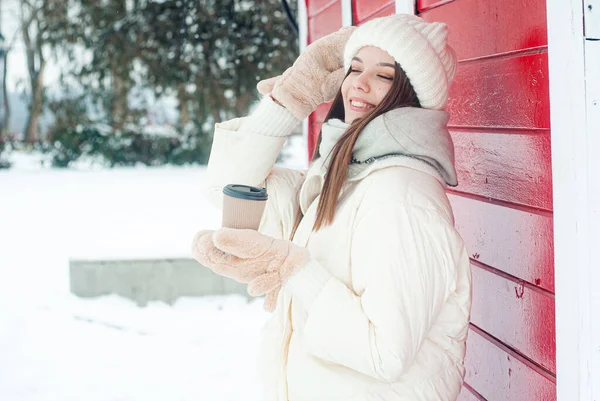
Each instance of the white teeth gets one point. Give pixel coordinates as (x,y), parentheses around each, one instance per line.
(360,105)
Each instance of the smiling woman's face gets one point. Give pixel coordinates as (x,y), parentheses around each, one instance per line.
(370,79)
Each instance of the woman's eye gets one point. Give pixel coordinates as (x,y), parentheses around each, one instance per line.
(384,77)
(352,70)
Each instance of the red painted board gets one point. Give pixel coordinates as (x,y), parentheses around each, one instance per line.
(315,7)
(512,167)
(517,242)
(313,134)
(326,22)
(314,123)
(388,10)
(495,27)
(321,111)
(498,376)
(517,315)
(509,92)
(428,4)
(365,9)
(466,395)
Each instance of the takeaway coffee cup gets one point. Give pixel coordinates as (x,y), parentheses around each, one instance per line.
(243,206)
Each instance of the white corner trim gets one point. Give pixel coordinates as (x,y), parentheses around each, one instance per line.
(575,127)
(406,7)
(591,11)
(592,68)
(347,19)
(303,42)
(302,25)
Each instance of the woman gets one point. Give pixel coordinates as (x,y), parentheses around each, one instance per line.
(358,257)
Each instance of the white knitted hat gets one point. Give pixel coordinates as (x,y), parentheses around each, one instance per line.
(419,47)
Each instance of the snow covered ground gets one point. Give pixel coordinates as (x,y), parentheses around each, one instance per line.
(55,346)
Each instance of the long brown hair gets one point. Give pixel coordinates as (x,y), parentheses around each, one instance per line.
(401,94)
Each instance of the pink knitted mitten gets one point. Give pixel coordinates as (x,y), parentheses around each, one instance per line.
(247,256)
(314,78)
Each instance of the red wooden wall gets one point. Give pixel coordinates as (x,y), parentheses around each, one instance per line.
(500,123)
(324,17)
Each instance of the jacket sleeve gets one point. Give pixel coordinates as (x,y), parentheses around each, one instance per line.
(244,151)
(405,259)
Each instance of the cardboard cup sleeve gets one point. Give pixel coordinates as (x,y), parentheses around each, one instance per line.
(243,206)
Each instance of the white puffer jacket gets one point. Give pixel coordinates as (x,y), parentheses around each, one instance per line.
(381,310)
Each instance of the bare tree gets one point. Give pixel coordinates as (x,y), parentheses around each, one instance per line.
(4,129)
(5,122)
(32,33)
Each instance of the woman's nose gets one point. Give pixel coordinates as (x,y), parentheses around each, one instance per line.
(361,83)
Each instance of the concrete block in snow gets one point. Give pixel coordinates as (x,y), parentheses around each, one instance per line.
(148,280)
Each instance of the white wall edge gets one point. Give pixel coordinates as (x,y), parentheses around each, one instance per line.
(302,25)
(406,7)
(303,42)
(347,18)
(592,79)
(574,196)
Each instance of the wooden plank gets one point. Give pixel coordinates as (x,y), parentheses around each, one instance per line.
(387,10)
(313,134)
(315,7)
(321,112)
(515,241)
(516,315)
(466,395)
(365,9)
(495,27)
(507,92)
(423,5)
(327,21)
(499,376)
(314,125)
(514,167)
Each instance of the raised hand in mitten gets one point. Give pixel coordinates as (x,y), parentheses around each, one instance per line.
(314,78)
(247,256)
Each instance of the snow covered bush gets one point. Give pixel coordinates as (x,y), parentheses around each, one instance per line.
(127,147)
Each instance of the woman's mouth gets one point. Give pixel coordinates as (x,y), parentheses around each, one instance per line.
(357,105)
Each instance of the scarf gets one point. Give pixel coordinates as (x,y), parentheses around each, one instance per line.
(407,132)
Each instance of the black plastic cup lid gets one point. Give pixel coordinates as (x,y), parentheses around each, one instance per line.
(245,192)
